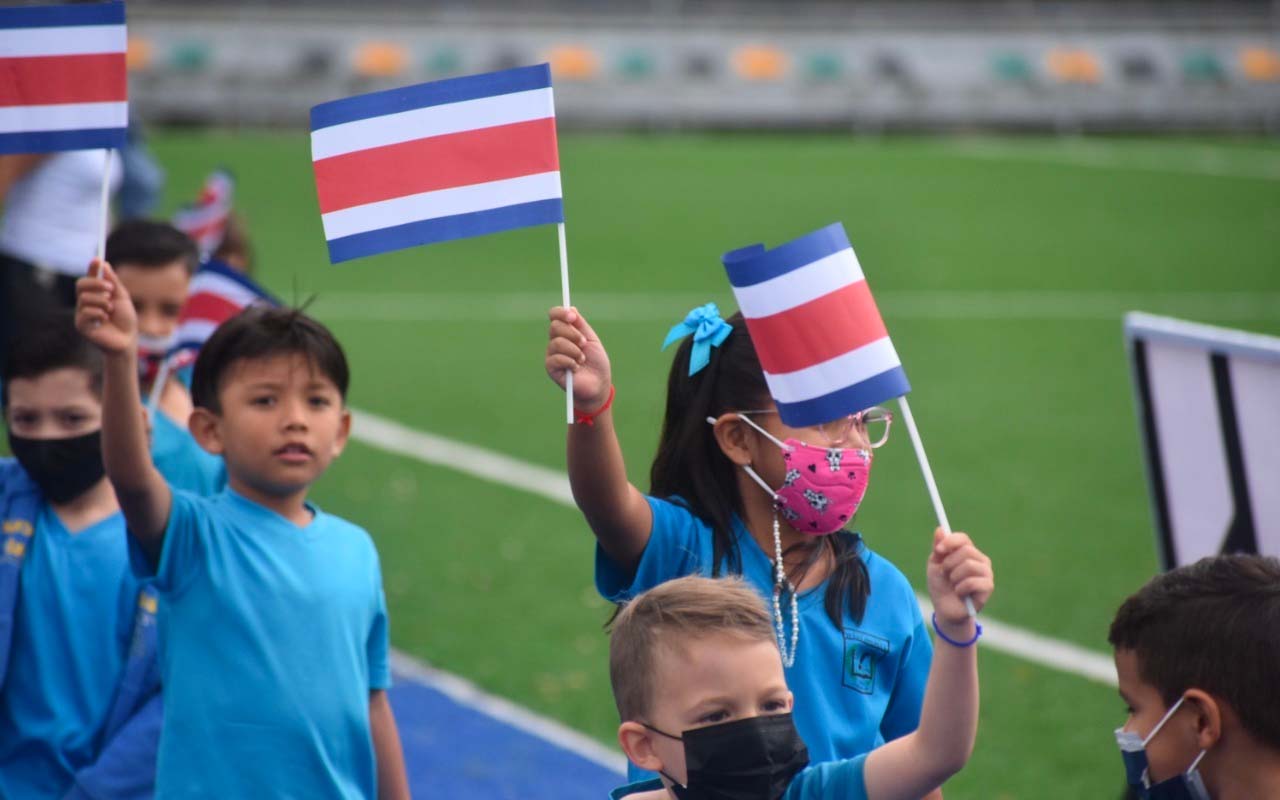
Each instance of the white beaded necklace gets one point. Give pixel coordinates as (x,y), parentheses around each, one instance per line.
(780,580)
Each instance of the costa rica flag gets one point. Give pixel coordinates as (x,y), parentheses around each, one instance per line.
(824,349)
(437,161)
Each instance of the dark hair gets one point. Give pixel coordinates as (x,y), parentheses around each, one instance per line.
(1213,625)
(148,243)
(261,332)
(52,342)
(235,248)
(690,467)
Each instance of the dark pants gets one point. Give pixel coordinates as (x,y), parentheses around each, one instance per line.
(27,295)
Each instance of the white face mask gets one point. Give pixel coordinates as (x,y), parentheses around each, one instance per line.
(1133,749)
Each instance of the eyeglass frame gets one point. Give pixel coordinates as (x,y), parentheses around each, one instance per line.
(857,420)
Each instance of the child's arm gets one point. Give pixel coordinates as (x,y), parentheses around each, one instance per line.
(105,316)
(392,781)
(617,512)
(911,767)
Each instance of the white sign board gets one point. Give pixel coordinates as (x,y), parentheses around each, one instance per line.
(1208,402)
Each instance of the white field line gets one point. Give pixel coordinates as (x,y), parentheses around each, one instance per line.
(1101,306)
(1204,161)
(468,694)
(553,485)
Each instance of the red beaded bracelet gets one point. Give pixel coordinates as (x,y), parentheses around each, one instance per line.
(589,417)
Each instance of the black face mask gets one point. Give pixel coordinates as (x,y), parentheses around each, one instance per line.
(747,759)
(62,468)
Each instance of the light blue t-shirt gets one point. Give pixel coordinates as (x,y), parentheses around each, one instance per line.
(834,780)
(271,638)
(73,621)
(856,686)
(183,463)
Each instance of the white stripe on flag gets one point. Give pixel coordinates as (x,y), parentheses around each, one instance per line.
(227,289)
(420,123)
(197,330)
(799,286)
(836,373)
(441,203)
(68,40)
(63,117)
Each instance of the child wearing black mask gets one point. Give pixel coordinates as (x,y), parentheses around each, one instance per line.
(698,679)
(79,702)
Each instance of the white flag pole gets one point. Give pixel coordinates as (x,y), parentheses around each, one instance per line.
(928,479)
(564,300)
(103,205)
(157,388)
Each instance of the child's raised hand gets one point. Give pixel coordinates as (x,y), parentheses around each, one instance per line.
(574,347)
(957,569)
(104,310)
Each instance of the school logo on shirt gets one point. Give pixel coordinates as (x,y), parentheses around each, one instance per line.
(862,652)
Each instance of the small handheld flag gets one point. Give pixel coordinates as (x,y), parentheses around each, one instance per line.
(205,220)
(62,77)
(216,294)
(437,161)
(821,342)
(815,326)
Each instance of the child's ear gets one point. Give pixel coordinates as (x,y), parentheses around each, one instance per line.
(1208,719)
(734,437)
(344,432)
(204,428)
(637,743)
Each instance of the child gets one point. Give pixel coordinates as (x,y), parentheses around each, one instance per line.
(855,646)
(154,261)
(79,693)
(704,702)
(1198,653)
(273,616)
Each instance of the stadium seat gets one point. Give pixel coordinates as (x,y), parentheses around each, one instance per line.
(189,57)
(634,64)
(1013,68)
(1138,68)
(759,63)
(380,60)
(139,55)
(1202,66)
(1068,65)
(824,67)
(699,65)
(573,63)
(1260,64)
(445,61)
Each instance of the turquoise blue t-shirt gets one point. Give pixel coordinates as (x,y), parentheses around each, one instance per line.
(271,638)
(834,780)
(856,686)
(73,621)
(183,463)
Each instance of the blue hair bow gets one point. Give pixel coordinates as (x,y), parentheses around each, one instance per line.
(708,330)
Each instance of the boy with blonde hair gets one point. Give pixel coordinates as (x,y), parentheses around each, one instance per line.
(700,688)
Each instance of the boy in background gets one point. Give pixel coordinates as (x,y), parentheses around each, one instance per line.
(79,690)
(703,698)
(155,261)
(1198,655)
(273,616)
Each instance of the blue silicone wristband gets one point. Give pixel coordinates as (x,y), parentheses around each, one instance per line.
(976,636)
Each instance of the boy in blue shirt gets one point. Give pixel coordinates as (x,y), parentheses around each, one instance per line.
(155,261)
(703,698)
(79,689)
(273,619)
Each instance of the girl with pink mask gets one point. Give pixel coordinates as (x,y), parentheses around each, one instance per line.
(733,490)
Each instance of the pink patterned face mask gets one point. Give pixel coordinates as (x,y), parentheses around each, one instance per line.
(823,485)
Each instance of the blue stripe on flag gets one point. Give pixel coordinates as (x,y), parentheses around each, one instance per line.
(751,265)
(862,395)
(46,141)
(227,271)
(441,229)
(452,90)
(57,16)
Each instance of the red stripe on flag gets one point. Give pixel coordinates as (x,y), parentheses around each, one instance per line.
(49,80)
(818,330)
(437,162)
(208,306)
